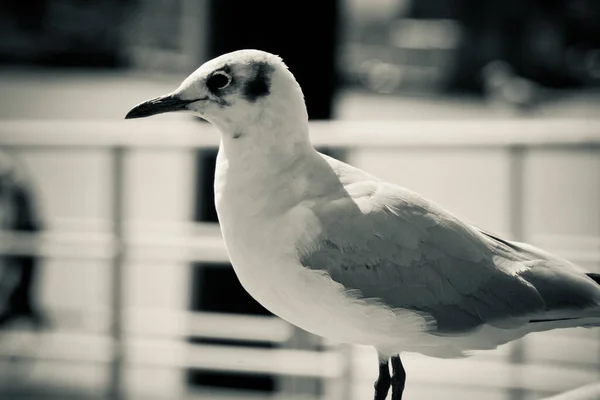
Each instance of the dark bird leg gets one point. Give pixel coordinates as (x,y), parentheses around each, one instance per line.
(382,384)
(398,378)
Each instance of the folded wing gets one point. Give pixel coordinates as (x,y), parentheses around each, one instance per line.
(387,243)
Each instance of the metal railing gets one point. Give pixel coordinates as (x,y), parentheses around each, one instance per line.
(516,137)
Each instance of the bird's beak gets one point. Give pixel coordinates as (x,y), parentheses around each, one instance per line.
(159,105)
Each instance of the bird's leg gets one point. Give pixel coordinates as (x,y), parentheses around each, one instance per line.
(398,378)
(382,384)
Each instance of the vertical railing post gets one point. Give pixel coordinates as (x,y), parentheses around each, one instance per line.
(595,149)
(116,387)
(516,199)
(348,378)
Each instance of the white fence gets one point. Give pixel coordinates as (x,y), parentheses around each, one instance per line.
(120,337)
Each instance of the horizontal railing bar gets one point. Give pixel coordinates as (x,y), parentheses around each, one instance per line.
(182,134)
(208,247)
(171,324)
(96,349)
(307,363)
(70,225)
(101,226)
(587,392)
(210,325)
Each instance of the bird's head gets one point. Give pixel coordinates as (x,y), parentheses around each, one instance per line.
(242,93)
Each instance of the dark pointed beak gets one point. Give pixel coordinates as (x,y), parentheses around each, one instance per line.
(159,105)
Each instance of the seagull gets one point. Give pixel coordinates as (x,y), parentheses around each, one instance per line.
(347,256)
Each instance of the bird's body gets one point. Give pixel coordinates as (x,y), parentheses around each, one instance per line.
(272,238)
(345,255)
(263,237)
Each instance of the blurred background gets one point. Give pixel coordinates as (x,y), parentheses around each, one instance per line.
(114,282)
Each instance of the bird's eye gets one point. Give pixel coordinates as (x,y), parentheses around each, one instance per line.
(218,80)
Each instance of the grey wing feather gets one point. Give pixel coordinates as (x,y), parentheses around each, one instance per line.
(390,244)
(562,284)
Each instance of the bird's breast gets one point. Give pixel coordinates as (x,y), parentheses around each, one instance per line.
(263,256)
(258,232)
(261,247)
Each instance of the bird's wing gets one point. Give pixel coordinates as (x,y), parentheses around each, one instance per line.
(563,285)
(390,244)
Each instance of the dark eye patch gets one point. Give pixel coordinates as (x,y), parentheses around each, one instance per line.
(217,81)
(260,84)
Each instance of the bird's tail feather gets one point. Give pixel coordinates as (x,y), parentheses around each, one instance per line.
(546,325)
(566,318)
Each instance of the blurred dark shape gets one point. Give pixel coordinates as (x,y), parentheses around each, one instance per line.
(381,76)
(61,32)
(220,291)
(534,37)
(18,212)
(164,37)
(303,34)
(441,46)
(504,89)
